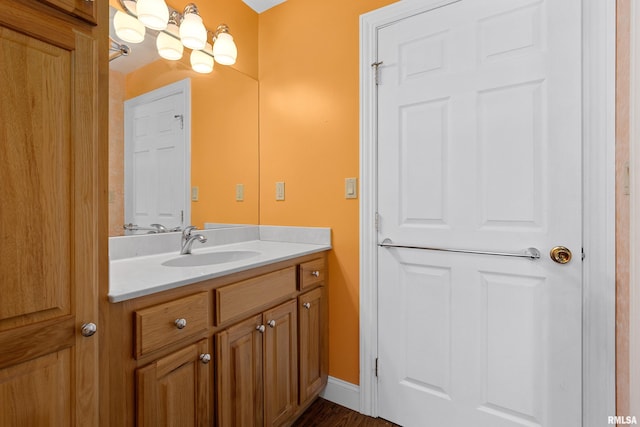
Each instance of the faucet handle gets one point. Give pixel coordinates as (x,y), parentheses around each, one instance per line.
(187,231)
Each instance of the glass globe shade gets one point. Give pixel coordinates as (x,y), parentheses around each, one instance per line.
(153,13)
(128,28)
(224,49)
(169,47)
(201,62)
(193,34)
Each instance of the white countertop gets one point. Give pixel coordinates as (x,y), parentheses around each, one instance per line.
(144,275)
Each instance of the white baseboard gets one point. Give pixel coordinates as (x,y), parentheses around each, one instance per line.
(342,393)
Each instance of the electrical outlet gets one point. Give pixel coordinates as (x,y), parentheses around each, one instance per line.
(239,192)
(279,190)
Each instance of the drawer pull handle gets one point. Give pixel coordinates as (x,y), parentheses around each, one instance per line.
(315,273)
(271,323)
(260,328)
(180,323)
(307,305)
(205,358)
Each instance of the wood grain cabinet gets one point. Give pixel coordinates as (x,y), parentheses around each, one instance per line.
(312,343)
(50,217)
(267,338)
(257,369)
(84,9)
(175,390)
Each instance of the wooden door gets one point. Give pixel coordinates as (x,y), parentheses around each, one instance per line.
(312,343)
(48,218)
(280,363)
(239,374)
(174,390)
(479,151)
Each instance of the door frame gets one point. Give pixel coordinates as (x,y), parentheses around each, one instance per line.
(180,87)
(598,112)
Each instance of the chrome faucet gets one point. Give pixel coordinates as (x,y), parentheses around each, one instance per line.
(161,228)
(188,239)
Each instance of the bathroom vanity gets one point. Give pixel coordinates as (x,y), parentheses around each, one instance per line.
(237,342)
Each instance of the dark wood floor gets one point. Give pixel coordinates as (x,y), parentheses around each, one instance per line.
(323,413)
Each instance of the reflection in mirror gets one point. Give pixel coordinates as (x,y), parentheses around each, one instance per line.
(224,136)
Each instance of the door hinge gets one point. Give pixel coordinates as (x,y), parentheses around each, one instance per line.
(377,221)
(583,254)
(181,117)
(376,70)
(182,217)
(376,367)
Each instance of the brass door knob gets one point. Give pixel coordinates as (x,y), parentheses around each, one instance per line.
(560,254)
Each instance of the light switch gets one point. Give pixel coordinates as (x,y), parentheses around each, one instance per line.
(279,190)
(195,191)
(239,192)
(351,188)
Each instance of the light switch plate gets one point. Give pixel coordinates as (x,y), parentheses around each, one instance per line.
(195,192)
(239,192)
(279,190)
(351,188)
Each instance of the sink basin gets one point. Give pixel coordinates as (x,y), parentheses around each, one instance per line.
(210,258)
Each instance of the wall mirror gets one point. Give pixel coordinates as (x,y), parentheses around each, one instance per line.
(224,152)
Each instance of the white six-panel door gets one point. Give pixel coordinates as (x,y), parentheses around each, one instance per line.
(479,148)
(156,158)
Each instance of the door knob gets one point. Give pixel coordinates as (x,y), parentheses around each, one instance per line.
(560,254)
(271,323)
(205,358)
(260,328)
(180,323)
(88,329)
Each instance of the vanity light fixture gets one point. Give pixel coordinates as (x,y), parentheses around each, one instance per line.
(225,51)
(128,28)
(153,14)
(175,31)
(193,34)
(201,60)
(169,45)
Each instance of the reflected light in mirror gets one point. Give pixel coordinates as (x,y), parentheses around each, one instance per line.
(201,62)
(169,47)
(128,28)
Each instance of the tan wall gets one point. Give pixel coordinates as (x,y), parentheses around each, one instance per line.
(309,138)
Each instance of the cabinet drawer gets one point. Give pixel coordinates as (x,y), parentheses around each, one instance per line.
(253,294)
(164,324)
(312,272)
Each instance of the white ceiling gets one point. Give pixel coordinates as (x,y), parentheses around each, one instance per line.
(262,5)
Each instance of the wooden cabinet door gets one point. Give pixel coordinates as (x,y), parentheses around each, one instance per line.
(49,215)
(312,343)
(174,390)
(280,363)
(239,374)
(85,9)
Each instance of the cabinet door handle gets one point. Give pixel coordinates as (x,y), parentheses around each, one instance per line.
(88,329)
(260,328)
(180,323)
(271,323)
(307,305)
(315,273)
(205,358)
